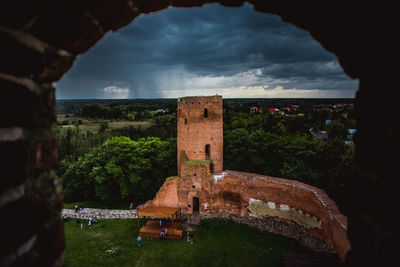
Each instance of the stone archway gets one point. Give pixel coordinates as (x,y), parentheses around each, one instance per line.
(40,41)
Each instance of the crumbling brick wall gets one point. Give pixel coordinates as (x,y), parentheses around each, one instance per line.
(248,194)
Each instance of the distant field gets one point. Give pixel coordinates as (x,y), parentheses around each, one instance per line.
(94,125)
(64,118)
(121,124)
(216,243)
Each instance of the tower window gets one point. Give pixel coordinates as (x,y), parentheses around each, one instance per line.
(207,151)
(185,121)
(205,113)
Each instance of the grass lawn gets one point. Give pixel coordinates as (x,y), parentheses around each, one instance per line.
(216,243)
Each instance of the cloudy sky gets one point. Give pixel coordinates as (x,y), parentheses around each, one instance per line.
(234,52)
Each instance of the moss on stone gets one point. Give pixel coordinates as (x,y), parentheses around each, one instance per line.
(197,163)
(260,209)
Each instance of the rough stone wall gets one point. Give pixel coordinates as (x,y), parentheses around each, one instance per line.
(30,193)
(272,225)
(97,214)
(308,207)
(195,131)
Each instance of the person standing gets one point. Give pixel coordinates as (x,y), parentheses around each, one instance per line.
(162,233)
(131,206)
(139,241)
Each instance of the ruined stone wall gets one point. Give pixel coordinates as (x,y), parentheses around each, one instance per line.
(292,204)
(247,194)
(195,131)
(195,181)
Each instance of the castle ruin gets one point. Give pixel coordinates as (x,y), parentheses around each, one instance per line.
(203,187)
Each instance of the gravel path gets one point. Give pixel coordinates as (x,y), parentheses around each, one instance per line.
(100,214)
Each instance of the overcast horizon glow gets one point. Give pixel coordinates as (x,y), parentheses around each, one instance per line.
(233,52)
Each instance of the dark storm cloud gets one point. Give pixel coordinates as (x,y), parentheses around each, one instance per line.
(166,49)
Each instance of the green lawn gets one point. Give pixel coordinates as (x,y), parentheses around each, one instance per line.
(216,243)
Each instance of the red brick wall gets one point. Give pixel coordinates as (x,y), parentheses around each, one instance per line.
(195,131)
(233,192)
(236,189)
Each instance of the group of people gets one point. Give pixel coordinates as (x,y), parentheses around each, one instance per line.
(78,208)
(164,232)
(91,221)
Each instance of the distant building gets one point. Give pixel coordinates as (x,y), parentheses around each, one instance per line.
(255,110)
(162,110)
(274,110)
(349,138)
(320,136)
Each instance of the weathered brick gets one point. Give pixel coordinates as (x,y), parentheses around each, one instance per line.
(20,220)
(23,103)
(195,131)
(20,13)
(13,159)
(24,55)
(68,29)
(51,243)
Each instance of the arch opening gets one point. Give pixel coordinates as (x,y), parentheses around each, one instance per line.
(306,20)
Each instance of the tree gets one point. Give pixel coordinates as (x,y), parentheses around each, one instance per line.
(121,169)
(337,129)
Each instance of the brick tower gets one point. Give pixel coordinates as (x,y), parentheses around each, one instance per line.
(200,130)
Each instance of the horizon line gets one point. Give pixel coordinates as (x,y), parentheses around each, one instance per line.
(167,98)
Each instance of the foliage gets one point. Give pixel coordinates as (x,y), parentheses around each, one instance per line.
(292,157)
(74,143)
(121,169)
(270,144)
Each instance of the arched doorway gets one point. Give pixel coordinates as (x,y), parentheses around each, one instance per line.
(196,205)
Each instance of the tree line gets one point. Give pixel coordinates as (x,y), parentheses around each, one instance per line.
(130,164)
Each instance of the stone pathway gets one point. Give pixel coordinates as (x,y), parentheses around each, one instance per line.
(100,214)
